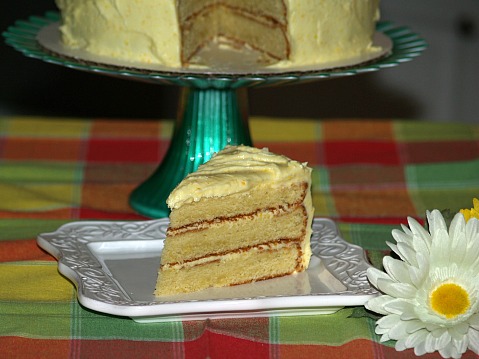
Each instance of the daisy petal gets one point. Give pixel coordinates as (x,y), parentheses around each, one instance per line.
(471,257)
(378,304)
(375,274)
(459,250)
(472,229)
(420,348)
(398,290)
(420,246)
(407,253)
(457,226)
(461,345)
(415,338)
(414,326)
(448,352)
(381,330)
(473,336)
(443,340)
(440,249)
(398,270)
(399,330)
(401,345)
(388,321)
(474,321)
(432,341)
(400,307)
(384,338)
(436,222)
(395,249)
(459,330)
(420,235)
(401,237)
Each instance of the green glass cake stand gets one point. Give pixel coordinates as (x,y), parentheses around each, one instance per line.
(213,106)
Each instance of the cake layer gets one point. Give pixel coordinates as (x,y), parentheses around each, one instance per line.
(257,263)
(222,236)
(273,10)
(237,29)
(259,197)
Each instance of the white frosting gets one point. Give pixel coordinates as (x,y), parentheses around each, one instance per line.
(328,31)
(138,31)
(147,31)
(237,169)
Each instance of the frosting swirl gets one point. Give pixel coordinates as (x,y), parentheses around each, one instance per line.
(234,170)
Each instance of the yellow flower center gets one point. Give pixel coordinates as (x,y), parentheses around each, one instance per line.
(473,212)
(449,300)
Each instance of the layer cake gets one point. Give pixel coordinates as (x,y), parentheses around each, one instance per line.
(243,216)
(172,33)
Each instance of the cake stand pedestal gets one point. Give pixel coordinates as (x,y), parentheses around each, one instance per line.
(208,120)
(213,106)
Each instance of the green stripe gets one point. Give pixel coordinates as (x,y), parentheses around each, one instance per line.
(369,236)
(41,172)
(274,336)
(429,132)
(330,329)
(321,189)
(35,319)
(447,175)
(87,324)
(14,229)
(443,186)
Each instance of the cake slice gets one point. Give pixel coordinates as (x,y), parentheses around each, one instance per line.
(242,217)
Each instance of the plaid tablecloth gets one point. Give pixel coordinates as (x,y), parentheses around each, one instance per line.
(368,176)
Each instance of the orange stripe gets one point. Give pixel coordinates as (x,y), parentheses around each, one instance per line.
(357,349)
(17,347)
(360,348)
(64,213)
(22,250)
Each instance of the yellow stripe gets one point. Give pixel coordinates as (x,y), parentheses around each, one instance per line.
(36,197)
(287,130)
(47,127)
(40,282)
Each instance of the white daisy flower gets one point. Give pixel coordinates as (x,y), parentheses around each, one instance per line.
(431,295)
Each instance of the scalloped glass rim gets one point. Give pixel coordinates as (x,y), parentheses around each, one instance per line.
(22,36)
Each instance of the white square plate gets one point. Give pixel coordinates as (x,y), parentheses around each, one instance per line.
(114,266)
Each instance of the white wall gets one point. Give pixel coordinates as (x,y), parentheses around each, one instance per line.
(445,79)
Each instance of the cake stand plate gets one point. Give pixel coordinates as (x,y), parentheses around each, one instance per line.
(213,109)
